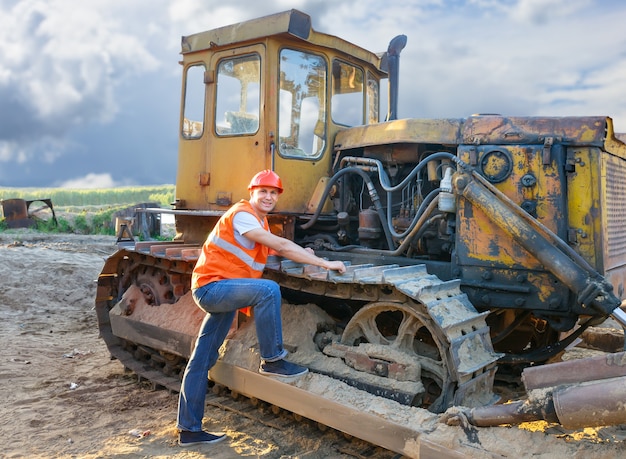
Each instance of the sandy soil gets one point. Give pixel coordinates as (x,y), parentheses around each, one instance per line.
(63,397)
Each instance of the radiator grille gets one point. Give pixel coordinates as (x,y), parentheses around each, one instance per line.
(615,210)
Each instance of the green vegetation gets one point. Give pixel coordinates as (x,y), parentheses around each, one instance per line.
(64,197)
(87,211)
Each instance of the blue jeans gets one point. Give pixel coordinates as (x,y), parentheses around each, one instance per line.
(221,300)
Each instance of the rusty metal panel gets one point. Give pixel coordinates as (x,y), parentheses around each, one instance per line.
(289,25)
(615,143)
(294,22)
(441,131)
(528,183)
(584,207)
(15,212)
(479,130)
(492,263)
(14,209)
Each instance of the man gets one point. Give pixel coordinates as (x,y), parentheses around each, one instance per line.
(227,277)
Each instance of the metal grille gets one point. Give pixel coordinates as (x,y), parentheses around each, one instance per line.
(615,210)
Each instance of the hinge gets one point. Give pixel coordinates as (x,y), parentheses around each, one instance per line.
(572,236)
(570,161)
(204,178)
(547,150)
(473,156)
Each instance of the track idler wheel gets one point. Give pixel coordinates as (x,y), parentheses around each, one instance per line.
(397,341)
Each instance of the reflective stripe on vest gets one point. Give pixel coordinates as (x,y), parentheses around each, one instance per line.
(236,251)
(222,257)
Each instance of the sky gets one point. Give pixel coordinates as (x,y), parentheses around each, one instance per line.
(90,90)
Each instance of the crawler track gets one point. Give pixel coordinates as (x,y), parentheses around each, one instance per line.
(440,342)
(464,361)
(274,417)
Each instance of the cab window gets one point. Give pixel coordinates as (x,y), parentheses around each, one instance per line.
(193,112)
(238,101)
(302,105)
(347,94)
(373,100)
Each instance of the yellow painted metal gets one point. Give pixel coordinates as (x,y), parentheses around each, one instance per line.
(614,143)
(487,244)
(299,177)
(597,218)
(584,203)
(443,131)
(287,26)
(592,196)
(191,161)
(316,197)
(282,23)
(214,170)
(220,167)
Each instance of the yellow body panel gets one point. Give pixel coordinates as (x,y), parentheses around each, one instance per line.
(584,203)
(214,171)
(489,245)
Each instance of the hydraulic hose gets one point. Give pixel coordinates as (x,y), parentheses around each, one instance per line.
(373,195)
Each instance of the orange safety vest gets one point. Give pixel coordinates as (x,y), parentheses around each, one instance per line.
(222,257)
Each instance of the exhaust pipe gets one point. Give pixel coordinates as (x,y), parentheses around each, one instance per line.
(392,63)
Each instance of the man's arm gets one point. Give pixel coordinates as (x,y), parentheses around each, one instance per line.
(291,250)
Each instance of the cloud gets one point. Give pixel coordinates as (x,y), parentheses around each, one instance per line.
(94,87)
(92,180)
(60,65)
(545,11)
(11,151)
(589,93)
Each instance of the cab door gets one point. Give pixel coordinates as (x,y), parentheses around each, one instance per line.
(236,147)
(301,151)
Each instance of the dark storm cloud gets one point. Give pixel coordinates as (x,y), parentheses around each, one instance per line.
(63,65)
(15,118)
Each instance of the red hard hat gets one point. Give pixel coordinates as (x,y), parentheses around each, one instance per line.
(266,178)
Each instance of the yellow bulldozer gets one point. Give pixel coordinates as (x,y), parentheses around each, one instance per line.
(475,246)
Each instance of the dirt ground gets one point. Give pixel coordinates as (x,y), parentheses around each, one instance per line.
(63,396)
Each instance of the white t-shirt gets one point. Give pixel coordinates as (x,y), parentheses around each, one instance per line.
(242,223)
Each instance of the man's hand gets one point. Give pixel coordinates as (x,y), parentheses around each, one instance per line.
(337,265)
(332,265)
(289,249)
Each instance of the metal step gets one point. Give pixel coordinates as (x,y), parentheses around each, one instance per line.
(411,441)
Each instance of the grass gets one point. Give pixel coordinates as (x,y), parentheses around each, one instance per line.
(65,197)
(86,211)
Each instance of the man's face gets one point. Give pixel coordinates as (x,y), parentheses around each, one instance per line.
(264,198)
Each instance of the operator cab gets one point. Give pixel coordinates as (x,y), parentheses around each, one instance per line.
(270,93)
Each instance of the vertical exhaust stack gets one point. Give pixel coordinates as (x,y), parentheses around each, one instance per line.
(396,45)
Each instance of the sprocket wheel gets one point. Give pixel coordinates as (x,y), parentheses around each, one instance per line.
(155,286)
(402,327)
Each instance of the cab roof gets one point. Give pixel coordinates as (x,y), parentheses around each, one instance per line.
(292,23)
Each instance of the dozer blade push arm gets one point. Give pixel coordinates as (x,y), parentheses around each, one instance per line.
(592,289)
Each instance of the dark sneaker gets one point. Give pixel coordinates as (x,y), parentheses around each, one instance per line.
(186,438)
(282,369)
